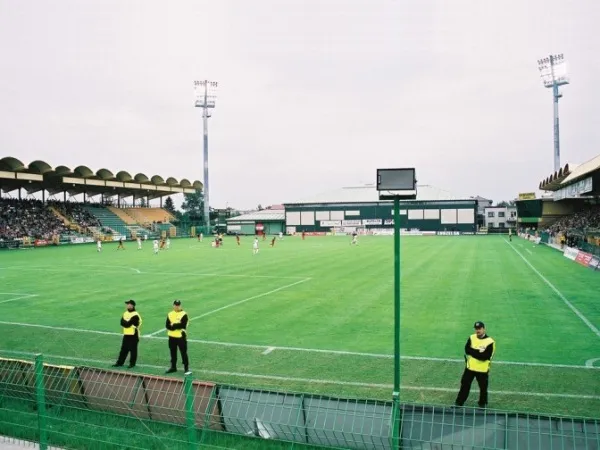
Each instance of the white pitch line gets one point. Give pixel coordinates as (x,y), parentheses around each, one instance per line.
(254,297)
(310,350)
(268,350)
(530,252)
(335,382)
(590,362)
(561,296)
(199,274)
(18,297)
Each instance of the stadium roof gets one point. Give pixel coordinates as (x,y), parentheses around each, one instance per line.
(368,194)
(570,173)
(262,215)
(39,175)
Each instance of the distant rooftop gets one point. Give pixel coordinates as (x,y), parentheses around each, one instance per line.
(368,193)
(263,214)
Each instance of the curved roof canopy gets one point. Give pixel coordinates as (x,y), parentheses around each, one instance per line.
(39,175)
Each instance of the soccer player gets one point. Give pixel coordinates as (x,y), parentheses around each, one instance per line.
(162,243)
(99,245)
(168,243)
(273,241)
(155,246)
(139,241)
(237,238)
(354,238)
(255,246)
(303,235)
(121,246)
(280,235)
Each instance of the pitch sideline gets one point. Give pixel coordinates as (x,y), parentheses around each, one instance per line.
(307,350)
(557,292)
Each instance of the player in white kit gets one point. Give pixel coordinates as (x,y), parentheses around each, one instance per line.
(155,246)
(99,245)
(255,246)
(139,241)
(280,235)
(168,243)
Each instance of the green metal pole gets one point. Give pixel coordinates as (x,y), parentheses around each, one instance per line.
(41,400)
(188,387)
(396,393)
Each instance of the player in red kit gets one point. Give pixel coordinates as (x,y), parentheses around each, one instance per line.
(237,238)
(273,242)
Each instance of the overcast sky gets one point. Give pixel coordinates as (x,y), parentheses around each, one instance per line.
(313,94)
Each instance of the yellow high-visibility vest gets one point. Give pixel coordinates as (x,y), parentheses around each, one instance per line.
(127,315)
(474,364)
(175,317)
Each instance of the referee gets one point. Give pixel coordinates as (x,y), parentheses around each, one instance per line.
(479,351)
(131,322)
(176,326)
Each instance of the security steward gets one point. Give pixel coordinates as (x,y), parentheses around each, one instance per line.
(479,351)
(176,326)
(131,323)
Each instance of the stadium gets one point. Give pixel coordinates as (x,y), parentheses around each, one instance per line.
(328,339)
(364,307)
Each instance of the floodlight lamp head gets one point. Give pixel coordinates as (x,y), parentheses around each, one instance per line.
(397,183)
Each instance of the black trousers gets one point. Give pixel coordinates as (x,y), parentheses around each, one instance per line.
(181,344)
(129,345)
(465,387)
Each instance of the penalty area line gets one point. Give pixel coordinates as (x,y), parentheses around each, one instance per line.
(231,305)
(337,382)
(588,365)
(557,292)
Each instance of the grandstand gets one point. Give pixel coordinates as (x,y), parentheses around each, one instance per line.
(66,220)
(569,209)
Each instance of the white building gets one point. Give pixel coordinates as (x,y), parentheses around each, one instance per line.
(500,216)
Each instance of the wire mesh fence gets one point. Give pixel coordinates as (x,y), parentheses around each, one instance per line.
(79,407)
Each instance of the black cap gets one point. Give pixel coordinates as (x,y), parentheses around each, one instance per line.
(177,302)
(130,302)
(479,325)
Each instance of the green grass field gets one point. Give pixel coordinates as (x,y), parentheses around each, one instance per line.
(317,315)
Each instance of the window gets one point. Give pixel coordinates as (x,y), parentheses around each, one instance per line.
(513,214)
(501,225)
(490,213)
(500,213)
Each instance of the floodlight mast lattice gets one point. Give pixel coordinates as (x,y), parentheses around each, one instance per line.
(553,71)
(206,95)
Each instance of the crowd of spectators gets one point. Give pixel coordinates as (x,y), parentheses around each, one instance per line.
(28,218)
(588,218)
(76,213)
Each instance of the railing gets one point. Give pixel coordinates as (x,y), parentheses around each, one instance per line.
(92,408)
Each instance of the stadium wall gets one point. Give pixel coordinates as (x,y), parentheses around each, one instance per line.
(439,215)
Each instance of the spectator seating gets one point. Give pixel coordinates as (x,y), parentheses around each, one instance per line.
(147,216)
(29,218)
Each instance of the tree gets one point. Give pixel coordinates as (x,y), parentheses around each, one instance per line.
(142,203)
(504,203)
(169,206)
(259,207)
(193,205)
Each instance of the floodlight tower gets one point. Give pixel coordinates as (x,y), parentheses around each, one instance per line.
(206,94)
(553,70)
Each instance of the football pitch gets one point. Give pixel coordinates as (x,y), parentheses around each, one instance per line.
(317,315)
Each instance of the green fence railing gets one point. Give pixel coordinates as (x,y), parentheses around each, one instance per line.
(80,407)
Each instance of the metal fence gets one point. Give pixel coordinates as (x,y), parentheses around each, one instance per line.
(78,407)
